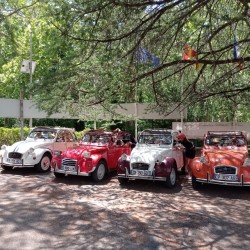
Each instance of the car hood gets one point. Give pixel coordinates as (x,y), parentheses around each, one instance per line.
(76,152)
(24,146)
(149,154)
(226,157)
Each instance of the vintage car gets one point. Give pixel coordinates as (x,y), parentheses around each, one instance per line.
(36,151)
(96,154)
(157,156)
(224,160)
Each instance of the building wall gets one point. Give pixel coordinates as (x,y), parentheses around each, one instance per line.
(196,130)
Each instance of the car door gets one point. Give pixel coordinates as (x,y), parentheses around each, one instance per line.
(114,152)
(60,144)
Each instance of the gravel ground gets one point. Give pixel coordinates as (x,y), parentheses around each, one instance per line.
(38,211)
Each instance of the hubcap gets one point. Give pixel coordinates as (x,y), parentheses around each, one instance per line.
(101,172)
(45,163)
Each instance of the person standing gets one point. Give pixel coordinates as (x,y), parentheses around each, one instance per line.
(189,151)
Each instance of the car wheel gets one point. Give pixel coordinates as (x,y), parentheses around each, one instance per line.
(44,164)
(195,184)
(171,178)
(6,167)
(123,181)
(100,171)
(58,175)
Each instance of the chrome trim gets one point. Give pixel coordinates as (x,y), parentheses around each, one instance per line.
(151,178)
(226,183)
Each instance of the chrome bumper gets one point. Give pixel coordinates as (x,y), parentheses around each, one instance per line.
(65,172)
(223,182)
(151,177)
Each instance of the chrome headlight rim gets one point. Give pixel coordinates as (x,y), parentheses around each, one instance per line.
(3,147)
(86,154)
(31,150)
(124,157)
(246,162)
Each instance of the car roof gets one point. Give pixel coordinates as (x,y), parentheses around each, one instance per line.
(54,129)
(226,133)
(99,131)
(158,131)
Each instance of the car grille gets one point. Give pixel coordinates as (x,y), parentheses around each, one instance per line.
(15,155)
(225,170)
(140,166)
(69,162)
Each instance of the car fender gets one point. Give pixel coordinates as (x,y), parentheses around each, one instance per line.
(197,168)
(163,168)
(122,165)
(37,155)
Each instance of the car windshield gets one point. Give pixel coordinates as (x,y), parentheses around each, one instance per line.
(155,138)
(42,134)
(225,140)
(95,139)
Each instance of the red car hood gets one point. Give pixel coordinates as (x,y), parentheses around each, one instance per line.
(77,152)
(227,157)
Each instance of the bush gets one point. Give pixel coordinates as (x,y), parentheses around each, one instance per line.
(8,136)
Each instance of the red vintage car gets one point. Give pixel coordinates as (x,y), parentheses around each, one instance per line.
(96,154)
(224,160)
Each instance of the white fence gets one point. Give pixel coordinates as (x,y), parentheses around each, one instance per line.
(11,108)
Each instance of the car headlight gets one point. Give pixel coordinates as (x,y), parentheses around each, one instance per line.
(124,157)
(3,147)
(204,160)
(246,162)
(57,152)
(31,150)
(86,154)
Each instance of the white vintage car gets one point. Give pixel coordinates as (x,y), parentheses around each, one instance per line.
(37,150)
(157,157)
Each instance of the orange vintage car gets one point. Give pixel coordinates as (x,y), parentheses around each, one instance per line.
(224,160)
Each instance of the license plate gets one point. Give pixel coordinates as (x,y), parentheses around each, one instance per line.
(141,172)
(225,177)
(14,161)
(69,168)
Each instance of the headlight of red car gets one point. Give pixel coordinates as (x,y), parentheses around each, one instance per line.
(58,153)
(204,160)
(86,154)
(246,162)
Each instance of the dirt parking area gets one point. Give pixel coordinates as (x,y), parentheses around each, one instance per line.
(38,211)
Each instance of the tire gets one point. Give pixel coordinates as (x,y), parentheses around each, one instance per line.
(59,175)
(195,184)
(171,178)
(123,181)
(100,171)
(4,167)
(44,164)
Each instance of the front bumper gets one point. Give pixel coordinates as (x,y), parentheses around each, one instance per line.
(151,177)
(69,172)
(210,180)
(15,165)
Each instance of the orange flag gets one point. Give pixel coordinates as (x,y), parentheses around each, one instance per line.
(190,54)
